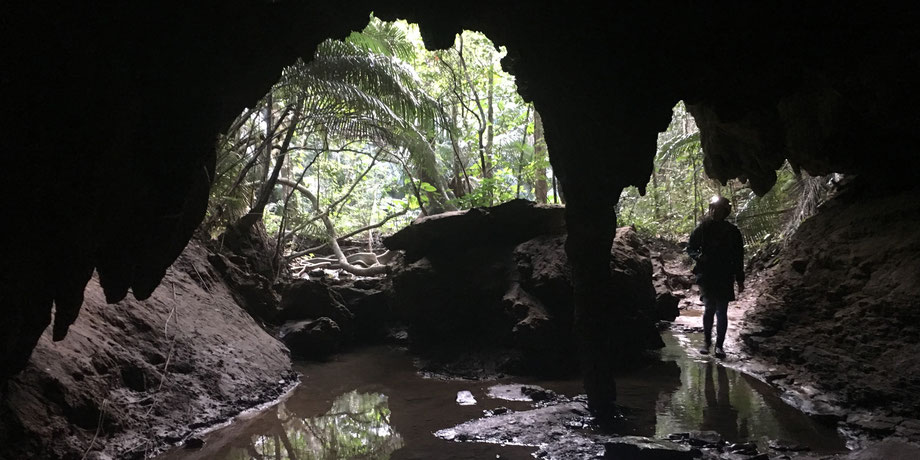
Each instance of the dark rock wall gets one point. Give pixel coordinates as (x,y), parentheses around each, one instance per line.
(114,110)
(142,373)
(514,289)
(842,303)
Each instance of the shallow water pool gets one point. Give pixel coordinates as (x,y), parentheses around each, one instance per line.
(373,404)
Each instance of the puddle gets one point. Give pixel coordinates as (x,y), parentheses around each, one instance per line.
(373,404)
(709,396)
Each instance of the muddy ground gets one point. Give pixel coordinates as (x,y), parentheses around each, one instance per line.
(133,377)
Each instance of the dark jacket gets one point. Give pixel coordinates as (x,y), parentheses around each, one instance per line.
(718,249)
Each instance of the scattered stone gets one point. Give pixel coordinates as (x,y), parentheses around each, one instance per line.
(878,425)
(544,427)
(705,439)
(786,446)
(889,449)
(642,448)
(746,448)
(465,398)
(910,429)
(497,411)
(538,394)
(511,392)
(775,375)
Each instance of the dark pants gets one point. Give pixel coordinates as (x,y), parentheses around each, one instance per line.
(715,307)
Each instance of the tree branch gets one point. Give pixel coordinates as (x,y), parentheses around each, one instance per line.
(342,238)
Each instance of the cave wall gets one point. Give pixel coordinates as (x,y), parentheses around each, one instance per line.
(115,108)
(136,376)
(840,308)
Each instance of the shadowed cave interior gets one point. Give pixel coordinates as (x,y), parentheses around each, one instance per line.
(118,107)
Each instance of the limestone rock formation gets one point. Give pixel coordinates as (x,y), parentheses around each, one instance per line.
(359,308)
(514,290)
(313,338)
(508,223)
(309,299)
(841,306)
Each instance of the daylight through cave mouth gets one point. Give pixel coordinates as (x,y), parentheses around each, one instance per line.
(680,189)
(374,131)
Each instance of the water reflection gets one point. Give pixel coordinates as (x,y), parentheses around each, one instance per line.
(353,406)
(713,397)
(719,415)
(357,426)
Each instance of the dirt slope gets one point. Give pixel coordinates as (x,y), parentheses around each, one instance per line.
(132,376)
(842,303)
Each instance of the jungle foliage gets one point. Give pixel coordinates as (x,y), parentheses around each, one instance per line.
(678,194)
(374,131)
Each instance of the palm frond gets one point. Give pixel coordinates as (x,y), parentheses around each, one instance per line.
(384,38)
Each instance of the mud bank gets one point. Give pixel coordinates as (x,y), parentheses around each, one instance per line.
(132,377)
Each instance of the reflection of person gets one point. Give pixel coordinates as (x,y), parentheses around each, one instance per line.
(718,249)
(719,415)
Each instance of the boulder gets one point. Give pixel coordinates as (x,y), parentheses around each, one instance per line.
(312,339)
(252,291)
(502,225)
(310,299)
(511,287)
(366,299)
(642,448)
(666,306)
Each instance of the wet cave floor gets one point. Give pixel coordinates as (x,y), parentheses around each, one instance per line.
(373,403)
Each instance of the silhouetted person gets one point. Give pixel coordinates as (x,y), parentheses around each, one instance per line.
(718,249)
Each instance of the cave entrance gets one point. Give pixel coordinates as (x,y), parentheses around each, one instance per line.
(371,133)
(679,191)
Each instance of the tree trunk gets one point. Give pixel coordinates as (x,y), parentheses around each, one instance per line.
(656,194)
(539,159)
(490,120)
(481,116)
(521,157)
(333,238)
(265,192)
(265,165)
(459,166)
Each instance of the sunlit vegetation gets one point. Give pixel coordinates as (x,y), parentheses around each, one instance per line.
(357,426)
(374,131)
(679,191)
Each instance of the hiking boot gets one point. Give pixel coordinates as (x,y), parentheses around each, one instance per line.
(720,353)
(704,350)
